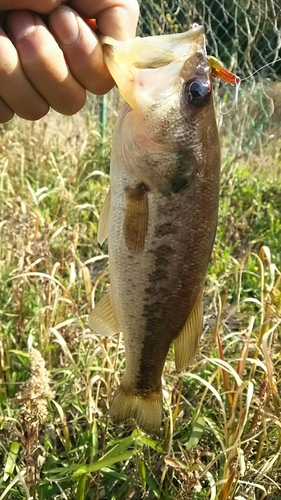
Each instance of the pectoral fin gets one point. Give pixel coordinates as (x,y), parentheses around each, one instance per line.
(102,319)
(186,343)
(104,219)
(136,218)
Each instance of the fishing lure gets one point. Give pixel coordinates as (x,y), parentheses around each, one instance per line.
(91,22)
(221,72)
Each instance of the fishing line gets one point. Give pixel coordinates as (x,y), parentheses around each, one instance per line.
(238,83)
(257,70)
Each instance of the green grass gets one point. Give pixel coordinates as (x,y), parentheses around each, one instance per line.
(221,436)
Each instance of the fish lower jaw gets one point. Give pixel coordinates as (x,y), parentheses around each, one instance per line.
(144,407)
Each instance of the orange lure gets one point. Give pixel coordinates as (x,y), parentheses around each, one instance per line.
(92,23)
(221,72)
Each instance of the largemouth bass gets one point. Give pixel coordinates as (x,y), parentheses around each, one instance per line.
(160,214)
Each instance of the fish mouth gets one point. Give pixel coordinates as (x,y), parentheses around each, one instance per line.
(130,61)
(166,48)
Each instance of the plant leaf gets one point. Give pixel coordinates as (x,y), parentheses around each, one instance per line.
(11,460)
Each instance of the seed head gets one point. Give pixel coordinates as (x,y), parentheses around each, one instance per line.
(34,393)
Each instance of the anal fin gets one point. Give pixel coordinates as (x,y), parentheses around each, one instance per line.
(186,343)
(102,319)
(136,218)
(104,219)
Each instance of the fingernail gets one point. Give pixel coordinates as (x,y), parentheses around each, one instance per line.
(65,26)
(21,26)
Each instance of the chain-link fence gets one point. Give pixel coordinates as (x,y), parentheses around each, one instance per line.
(246,36)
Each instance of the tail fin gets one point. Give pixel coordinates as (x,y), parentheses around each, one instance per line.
(145,409)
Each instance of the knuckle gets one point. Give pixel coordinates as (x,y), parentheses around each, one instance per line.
(35,114)
(6,116)
(8,59)
(45,7)
(132,7)
(6,113)
(72,105)
(37,108)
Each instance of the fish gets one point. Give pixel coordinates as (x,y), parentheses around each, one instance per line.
(160,214)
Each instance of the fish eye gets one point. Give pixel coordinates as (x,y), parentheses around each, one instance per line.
(197,92)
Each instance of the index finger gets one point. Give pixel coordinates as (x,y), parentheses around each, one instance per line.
(115,18)
(42,7)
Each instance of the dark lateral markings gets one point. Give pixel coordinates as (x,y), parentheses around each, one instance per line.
(163,254)
(151,309)
(165,229)
(177,184)
(162,262)
(164,251)
(158,275)
(151,290)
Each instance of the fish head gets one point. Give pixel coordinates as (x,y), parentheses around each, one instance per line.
(148,69)
(167,83)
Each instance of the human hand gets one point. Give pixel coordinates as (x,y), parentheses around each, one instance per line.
(43,66)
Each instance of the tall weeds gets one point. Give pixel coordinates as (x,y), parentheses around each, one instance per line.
(221,429)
